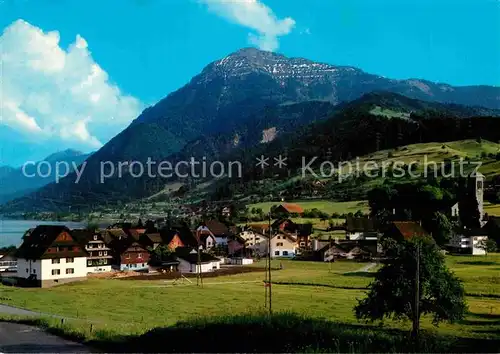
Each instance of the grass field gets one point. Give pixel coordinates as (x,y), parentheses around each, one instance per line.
(492,209)
(327,206)
(315,290)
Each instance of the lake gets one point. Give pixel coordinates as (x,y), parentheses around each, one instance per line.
(11,231)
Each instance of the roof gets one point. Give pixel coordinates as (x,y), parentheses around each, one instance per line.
(292,208)
(187,254)
(82,236)
(354,224)
(135,233)
(154,237)
(185,235)
(218,228)
(44,236)
(410,229)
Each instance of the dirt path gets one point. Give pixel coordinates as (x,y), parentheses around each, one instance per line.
(366,268)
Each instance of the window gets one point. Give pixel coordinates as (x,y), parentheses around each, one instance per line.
(27,270)
(70,260)
(89,263)
(479,184)
(285,253)
(95,237)
(100,253)
(105,253)
(127,256)
(276,253)
(279,237)
(33,271)
(302,244)
(139,255)
(279,244)
(56,271)
(55,260)
(70,271)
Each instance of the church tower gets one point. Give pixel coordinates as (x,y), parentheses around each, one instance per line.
(477,183)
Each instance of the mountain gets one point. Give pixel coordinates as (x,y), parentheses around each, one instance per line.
(229,101)
(15,183)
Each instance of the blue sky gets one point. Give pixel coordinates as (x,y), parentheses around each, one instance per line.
(137,51)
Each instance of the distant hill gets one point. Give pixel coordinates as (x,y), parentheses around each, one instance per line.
(14,183)
(229,106)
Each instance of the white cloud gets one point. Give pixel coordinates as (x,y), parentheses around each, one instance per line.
(60,94)
(256,16)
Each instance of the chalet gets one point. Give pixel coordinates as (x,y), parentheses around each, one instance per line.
(361,228)
(191,262)
(132,256)
(205,237)
(219,230)
(128,253)
(50,256)
(289,209)
(99,257)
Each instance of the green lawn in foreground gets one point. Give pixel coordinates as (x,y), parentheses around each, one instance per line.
(327,206)
(308,288)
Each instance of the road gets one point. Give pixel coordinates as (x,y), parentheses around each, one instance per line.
(366,268)
(19,338)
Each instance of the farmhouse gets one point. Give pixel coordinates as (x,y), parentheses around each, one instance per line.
(49,255)
(289,209)
(99,257)
(132,256)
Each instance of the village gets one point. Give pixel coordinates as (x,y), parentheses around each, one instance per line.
(51,255)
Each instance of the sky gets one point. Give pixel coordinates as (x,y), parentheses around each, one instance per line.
(75,73)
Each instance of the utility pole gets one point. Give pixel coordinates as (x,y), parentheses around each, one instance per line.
(269,266)
(199,279)
(416,306)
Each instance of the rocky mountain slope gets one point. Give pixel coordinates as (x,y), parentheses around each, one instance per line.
(231,100)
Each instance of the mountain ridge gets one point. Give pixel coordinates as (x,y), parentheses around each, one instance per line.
(220,100)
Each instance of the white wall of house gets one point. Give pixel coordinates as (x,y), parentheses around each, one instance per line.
(470,243)
(475,241)
(186,267)
(99,269)
(27,267)
(134,266)
(78,265)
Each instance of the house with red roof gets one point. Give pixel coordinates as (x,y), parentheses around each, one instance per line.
(289,209)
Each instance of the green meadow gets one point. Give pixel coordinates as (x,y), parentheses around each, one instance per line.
(324,292)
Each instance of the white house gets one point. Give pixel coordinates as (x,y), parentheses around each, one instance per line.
(190,263)
(50,256)
(99,256)
(282,245)
(470,242)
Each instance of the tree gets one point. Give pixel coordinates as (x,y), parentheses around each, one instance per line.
(160,254)
(393,294)
(489,246)
(440,227)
